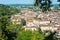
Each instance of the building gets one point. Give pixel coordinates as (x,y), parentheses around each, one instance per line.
(32,28)
(15,19)
(44,22)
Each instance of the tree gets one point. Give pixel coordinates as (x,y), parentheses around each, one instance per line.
(58,0)
(24,35)
(23,22)
(5,13)
(50,37)
(30,35)
(4,22)
(7,10)
(37,2)
(44,4)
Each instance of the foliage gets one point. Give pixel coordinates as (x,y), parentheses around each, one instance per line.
(24,35)
(44,4)
(38,36)
(23,22)
(29,35)
(37,2)
(6,10)
(51,36)
(5,13)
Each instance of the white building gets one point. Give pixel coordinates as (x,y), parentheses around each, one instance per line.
(44,22)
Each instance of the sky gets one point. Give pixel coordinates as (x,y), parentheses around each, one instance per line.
(23,2)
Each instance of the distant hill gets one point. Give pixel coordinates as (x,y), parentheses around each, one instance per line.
(15,5)
(20,5)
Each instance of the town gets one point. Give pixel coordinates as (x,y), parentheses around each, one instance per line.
(35,18)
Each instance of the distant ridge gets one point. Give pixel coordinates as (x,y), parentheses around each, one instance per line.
(15,5)
(20,4)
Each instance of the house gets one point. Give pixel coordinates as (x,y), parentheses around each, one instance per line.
(58,29)
(40,16)
(48,28)
(15,19)
(44,22)
(32,28)
(30,24)
(29,21)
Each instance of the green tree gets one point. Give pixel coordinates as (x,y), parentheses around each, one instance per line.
(50,37)
(24,35)
(44,4)
(37,2)
(4,21)
(38,36)
(23,22)
(7,10)
(30,35)
(5,13)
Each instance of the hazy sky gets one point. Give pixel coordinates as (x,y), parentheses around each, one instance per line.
(22,2)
